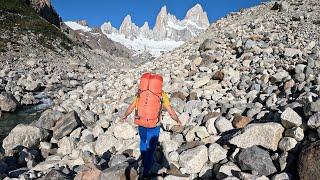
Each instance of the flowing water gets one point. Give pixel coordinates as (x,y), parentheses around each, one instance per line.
(25,115)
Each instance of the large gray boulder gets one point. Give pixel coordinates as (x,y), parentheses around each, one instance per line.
(8,102)
(290,119)
(24,135)
(266,135)
(192,160)
(105,142)
(124,131)
(256,159)
(48,119)
(217,153)
(66,125)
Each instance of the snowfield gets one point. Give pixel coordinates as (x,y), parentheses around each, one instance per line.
(141,44)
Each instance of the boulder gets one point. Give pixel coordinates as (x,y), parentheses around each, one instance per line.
(124,131)
(201,82)
(211,127)
(88,118)
(32,85)
(227,170)
(223,125)
(24,135)
(192,160)
(314,121)
(281,176)
(287,143)
(240,121)
(105,142)
(88,172)
(217,153)
(47,119)
(66,145)
(296,133)
(119,172)
(309,162)
(256,159)
(116,159)
(266,135)
(66,125)
(8,102)
(208,44)
(290,52)
(55,174)
(290,119)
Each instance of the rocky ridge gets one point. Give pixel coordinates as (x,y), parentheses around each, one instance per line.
(246,91)
(167,34)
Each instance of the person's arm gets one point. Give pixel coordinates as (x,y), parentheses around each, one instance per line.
(166,104)
(173,114)
(129,110)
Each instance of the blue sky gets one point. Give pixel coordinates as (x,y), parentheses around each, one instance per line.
(98,11)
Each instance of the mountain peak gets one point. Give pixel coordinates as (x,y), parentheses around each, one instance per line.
(128,28)
(198,16)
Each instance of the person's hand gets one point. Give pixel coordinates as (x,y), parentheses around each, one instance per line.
(179,123)
(123,119)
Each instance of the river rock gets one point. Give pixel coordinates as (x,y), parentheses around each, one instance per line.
(66,125)
(217,153)
(287,143)
(266,135)
(256,159)
(192,160)
(124,131)
(8,102)
(24,135)
(309,162)
(290,119)
(314,121)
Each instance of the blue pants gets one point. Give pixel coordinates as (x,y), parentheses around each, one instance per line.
(148,144)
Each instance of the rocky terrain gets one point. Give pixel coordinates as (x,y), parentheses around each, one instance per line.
(246,91)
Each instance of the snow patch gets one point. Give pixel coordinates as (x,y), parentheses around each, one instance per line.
(75,26)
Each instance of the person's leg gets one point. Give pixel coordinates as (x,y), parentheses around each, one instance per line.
(152,138)
(143,143)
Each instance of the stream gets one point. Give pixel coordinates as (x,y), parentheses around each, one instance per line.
(24,114)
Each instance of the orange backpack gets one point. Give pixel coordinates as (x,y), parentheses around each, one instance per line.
(149,98)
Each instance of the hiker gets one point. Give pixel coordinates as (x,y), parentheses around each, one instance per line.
(148,105)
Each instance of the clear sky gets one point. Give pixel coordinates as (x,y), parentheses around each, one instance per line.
(98,11)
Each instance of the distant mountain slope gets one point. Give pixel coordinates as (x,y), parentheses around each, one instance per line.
(18,18)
